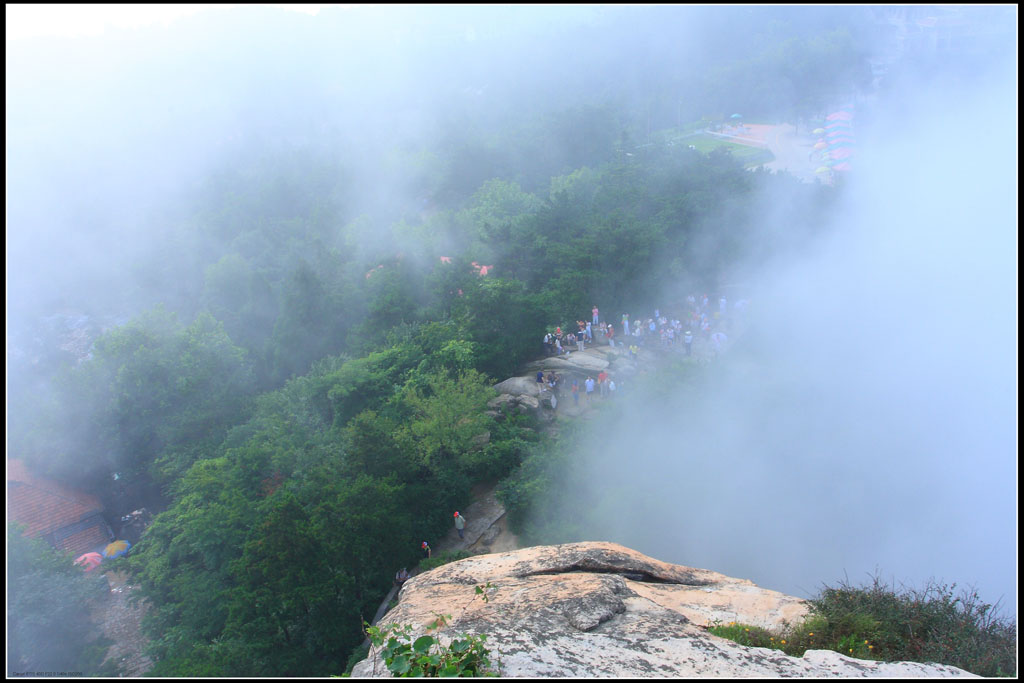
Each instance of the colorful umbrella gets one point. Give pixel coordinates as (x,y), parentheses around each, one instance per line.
(845,166)
(841,153)
(116,549)
(822,169)
(840,116)
(735,116)
(820,145)
(89,561)
(839,125)
(817,131)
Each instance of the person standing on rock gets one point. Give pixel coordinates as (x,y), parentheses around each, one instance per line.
(460,524)
(575,392)
(426,549)
(594,312)
(625,324)
(590,388)
(602,382)
(610,335)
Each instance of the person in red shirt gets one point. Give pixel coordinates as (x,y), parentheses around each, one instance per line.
(602,382)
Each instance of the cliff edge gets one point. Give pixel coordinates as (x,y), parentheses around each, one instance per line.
(603,610)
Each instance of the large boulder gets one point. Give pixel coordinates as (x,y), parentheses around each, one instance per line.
(580,362)
(600,610)
(517,386)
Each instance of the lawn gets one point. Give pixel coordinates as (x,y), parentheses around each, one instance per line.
(749,155)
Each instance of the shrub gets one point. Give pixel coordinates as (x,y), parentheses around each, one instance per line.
(443,557)
(877,622)
(465,655)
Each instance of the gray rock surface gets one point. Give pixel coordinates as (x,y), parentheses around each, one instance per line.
(599,610)
(517,386)
(586,361)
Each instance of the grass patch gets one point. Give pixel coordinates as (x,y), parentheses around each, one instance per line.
(443,557)
(748,155)
(878,622)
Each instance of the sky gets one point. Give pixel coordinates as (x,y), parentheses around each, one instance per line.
(868,421)
(62,20)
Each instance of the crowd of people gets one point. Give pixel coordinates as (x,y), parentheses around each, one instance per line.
(701,317)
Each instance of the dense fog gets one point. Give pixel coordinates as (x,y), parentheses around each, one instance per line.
(864,422)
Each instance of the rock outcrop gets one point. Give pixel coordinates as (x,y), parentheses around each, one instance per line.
(603,610)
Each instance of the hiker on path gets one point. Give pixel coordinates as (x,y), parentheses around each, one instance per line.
(460,524)
(625,324)
(426,549)
(590,388)
(575,392)
(602,382)
(688,340)
(611,388)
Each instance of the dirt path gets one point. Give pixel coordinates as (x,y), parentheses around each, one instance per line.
(122,622)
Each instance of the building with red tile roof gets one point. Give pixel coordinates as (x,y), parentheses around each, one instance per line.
(67,519)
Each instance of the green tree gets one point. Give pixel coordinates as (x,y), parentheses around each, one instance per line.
(308,326)
(447,416)
(289,605)
(49,600)
(242,299)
